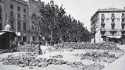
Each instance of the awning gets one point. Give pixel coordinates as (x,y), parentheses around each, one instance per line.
(114,36)
(7,32)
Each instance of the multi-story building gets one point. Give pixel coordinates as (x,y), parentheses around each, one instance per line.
(16,14)
(108,24)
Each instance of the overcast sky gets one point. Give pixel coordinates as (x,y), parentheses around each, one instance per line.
(84,9)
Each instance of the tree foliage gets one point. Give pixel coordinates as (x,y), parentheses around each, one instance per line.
(57,27)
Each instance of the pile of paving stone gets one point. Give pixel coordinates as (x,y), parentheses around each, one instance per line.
(30,60)
(99,56)
(103,46)
(28,48)
(93,67)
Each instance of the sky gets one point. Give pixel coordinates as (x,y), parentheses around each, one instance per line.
(84,9)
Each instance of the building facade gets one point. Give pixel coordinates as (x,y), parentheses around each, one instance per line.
(16,14)
(107,24)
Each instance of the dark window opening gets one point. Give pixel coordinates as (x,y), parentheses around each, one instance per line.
(123,26)
(102,17)
(11,6)
(24,10)
(33,38)
(112,32)
(24,39)
(123,19)
(12,24)
(24,27)
(112,25)
(18,15)
(123,14)
(123,32)
(18,8)
(103,25)
(103,32)
(19,26)
(113,17)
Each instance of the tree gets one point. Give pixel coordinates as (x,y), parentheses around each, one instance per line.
(56,26)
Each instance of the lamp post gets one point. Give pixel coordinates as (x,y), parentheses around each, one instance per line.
(40,52)
(18,35)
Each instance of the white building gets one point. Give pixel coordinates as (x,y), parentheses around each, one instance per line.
(108,23)
(16,14)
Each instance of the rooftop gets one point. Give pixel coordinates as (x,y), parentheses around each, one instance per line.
(21,1)
(108,10)
(111,9)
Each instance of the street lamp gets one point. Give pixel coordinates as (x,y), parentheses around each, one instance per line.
(40,52)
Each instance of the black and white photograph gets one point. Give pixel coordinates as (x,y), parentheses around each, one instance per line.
(62,34)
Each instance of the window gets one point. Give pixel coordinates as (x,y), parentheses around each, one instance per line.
(12,24)
(12,19)
(112,32)
(18,8)
(112,25)
(34,38)
(11,13)
(123,14)
(24,38)
(24,17)
(123,19)
(24,27)
(18,15)
(123,32)
(123,26)
(113,17)
(102,17)
(102,25)
(11,6)
(19,26)
(103,32)
(24,10)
